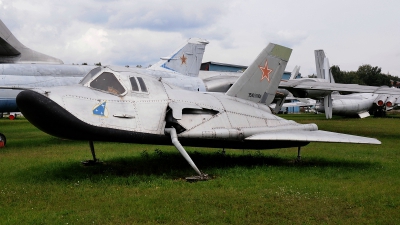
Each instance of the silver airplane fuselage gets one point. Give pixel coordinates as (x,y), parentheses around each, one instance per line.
(351,105)
(127,106)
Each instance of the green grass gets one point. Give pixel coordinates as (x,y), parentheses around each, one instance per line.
(43,182)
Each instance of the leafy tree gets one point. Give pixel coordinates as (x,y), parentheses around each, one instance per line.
(365,75)
(372,75)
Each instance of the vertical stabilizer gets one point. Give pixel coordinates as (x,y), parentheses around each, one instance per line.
(319,63)
(322,66)
(327,72)
(13,51)
(261,79)
(186,60)
(294,73)
(327,75)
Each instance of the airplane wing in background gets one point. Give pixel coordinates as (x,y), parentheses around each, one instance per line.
(293,104)
(323,86)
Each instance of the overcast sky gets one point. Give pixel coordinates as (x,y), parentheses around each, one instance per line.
(139,32)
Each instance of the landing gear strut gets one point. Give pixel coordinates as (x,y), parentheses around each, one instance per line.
(174,137)
(298,154)
(95,160)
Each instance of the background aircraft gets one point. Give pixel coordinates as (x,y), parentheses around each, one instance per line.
(357,104)
(369,98)
(21,66)
(122,105)
(13,51)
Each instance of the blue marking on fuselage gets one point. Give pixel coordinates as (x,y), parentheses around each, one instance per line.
(99,110)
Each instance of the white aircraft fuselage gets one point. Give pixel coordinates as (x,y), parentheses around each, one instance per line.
(125,114)
(350,105)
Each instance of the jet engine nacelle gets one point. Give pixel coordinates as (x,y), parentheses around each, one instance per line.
(380,100)
(391,100)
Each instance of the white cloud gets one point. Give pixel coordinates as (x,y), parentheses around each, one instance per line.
(94,41)
(288,38)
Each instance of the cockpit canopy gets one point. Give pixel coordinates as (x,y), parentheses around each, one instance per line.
(106,80)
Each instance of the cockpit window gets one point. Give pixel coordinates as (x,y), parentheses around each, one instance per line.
(109,83)
(90,75)
(142,84)
(134,84)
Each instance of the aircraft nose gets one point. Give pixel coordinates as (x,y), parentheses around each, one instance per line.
(32,103)
(40,110)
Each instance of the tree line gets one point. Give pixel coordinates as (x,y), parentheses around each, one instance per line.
(365,75)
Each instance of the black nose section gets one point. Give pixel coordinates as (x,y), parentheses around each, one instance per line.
(53,119)
(46,114)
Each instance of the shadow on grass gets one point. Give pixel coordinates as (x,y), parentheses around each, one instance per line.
(163,165)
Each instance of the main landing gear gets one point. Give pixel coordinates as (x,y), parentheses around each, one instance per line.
(298,154)
(95,160)
(174,137)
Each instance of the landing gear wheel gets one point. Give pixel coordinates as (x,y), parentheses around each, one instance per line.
(91,162)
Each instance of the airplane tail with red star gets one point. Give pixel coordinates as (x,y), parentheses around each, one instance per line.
(186,60)
(261,79)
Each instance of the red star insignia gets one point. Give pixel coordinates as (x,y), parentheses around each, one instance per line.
(265,71)
(183,59)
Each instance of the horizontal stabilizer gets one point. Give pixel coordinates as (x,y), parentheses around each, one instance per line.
(313,136)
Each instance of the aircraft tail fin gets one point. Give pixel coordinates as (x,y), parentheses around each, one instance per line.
(324,72)
(13,51)
(319,63)
(294,73)
(260,80)
(322,66)
(185,60)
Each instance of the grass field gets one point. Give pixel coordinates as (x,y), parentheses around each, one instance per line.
(43,182)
